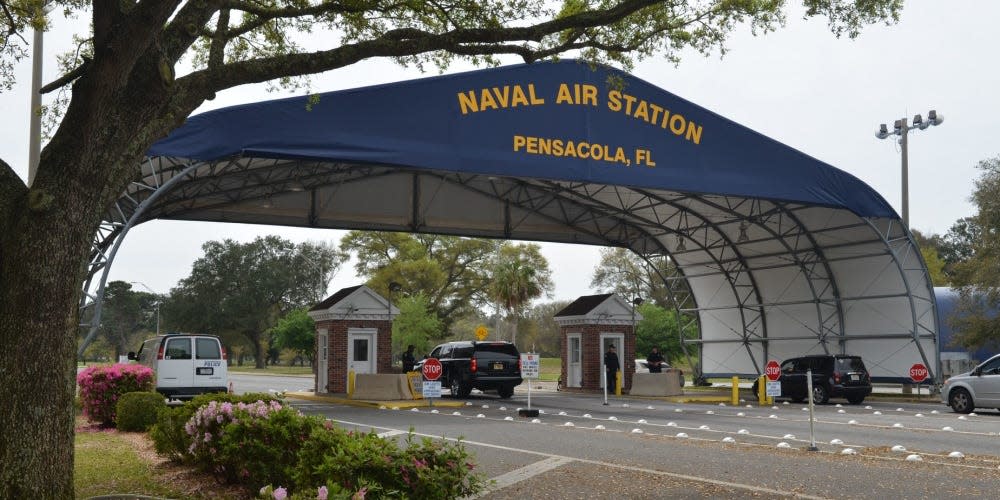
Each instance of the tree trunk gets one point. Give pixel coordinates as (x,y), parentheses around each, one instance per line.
(41,253)
(258,350)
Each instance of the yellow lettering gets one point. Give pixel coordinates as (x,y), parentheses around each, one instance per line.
(535,101)
(468,102)
(614,100)
(589,95)
(693,133)
(564,96)
(557,147)
(641,112)
(620,155)
(677,123)
(656,112)
(570,149)
(628,104)
(486,100)
(502,95)
(518,142)
(533,145)
(519,99)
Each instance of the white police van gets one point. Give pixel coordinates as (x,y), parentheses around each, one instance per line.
(185,365)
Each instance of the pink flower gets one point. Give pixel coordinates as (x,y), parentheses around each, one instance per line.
(322,493)
(280,493)
(360,495)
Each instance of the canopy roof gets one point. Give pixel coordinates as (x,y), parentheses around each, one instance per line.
(777,254)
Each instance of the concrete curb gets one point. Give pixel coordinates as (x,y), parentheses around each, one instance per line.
(394,404)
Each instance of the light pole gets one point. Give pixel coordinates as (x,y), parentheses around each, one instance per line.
(35,123)
(901,129)
(157,303)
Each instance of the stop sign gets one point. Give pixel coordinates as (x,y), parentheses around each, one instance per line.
(431,369)
(772,370)
(918,373)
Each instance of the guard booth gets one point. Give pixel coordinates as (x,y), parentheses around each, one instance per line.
(588,326)
(353,332)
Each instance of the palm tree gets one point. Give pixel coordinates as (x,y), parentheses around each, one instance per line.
(520,275)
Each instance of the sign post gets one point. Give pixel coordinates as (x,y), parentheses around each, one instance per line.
(809,388)
(918,373)
(773,372)
(529,372)
(431,387)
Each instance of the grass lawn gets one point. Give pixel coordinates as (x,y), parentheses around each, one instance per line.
(549,369)
(107,463)
(273,370)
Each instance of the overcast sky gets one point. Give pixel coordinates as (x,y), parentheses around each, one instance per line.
(801,86)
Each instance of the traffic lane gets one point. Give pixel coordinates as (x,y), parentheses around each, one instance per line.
(244,383)
(917,426)
(751,466)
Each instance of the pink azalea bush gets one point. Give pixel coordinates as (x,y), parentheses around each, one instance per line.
(308,457)
(101,386)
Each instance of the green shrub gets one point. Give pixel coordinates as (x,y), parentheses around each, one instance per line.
(171,440)
(345,460)
(137,411)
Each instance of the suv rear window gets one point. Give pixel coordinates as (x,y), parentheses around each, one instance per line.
(498,350)
(850,365)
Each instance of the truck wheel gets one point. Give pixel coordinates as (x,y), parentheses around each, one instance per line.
(505,391)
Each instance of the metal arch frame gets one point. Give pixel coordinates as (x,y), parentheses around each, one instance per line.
(908,237)
(806,268)
(118,236)
(732,276)
(262,178)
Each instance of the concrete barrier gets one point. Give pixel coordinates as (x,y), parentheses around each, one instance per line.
(656,384)
(381,387)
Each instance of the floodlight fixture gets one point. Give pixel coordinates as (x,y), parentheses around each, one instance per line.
(680,244)
(901,129)
(743,238)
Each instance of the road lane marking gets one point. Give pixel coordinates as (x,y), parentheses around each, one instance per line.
(390,433)
(527,472)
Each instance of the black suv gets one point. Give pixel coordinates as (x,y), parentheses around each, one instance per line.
(487,366)
(834,376)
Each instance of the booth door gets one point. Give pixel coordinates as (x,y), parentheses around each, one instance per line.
(574,368)
(323,363)
(361,350)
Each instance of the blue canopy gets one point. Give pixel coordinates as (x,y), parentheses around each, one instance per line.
(771,253)
(552,120)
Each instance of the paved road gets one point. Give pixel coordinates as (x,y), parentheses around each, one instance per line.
(634,448)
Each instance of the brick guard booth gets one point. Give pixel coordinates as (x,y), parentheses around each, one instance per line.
(353,331)
(587,326)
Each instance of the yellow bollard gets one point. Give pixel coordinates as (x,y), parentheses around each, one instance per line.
(736,391)
(350,383)
(618,383)
(762,396)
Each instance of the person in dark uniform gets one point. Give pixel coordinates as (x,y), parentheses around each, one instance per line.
(655,361)
(408,359)
(611,366)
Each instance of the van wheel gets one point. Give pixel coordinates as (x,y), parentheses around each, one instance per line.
(856,400)
(505,391)
(961,401)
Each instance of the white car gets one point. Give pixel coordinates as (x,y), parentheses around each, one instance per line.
(979,388)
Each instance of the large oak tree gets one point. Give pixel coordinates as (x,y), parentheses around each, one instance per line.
(130,90)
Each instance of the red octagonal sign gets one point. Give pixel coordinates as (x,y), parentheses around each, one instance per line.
(431,369)
(772,370)
(918,373)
